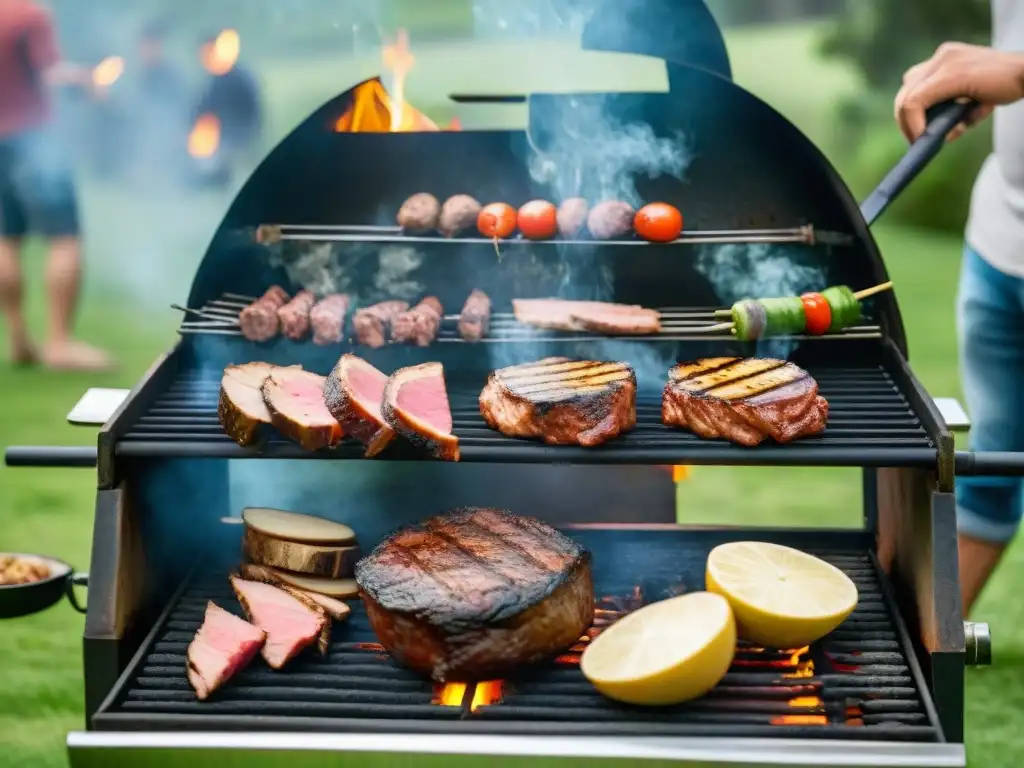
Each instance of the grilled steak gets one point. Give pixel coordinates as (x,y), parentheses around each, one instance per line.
(223,645)
(595,316)
(420,213)
(475,318)
(476,592)
(610,219)
(258,321)
(744,401)
(241,409)
(571,216)
(294,316)
(327,319)
(420,324)
(561,401)
(372,325)
(291,621)
(458,213)
(415,405)
(353,394)
(295,401)
(335,608)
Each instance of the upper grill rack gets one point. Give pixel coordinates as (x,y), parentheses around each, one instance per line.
(855,684)
(220,317)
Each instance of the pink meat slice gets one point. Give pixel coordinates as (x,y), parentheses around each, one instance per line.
(427,399)
(223,645)
(295,400)
(289,623)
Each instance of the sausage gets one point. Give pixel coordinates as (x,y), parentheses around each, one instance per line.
(420,213)
(610,219)
(372,324)
(458,213)
(475,319)
(420,324)
(572,215)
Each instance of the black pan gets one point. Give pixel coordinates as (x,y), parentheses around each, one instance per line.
(25,599)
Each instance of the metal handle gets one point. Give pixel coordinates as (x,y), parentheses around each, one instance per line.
(50,456)
(76,579)
(978,643)
(942,118)
(990,463)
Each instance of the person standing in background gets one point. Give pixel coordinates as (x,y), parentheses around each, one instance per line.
(37,193)
(160,105)
(990,305)
(231,94)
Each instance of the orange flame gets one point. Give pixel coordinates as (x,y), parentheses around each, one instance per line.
(800,720)
(219,57)
(487,693)
(398,60)
(450,694)
(108,72)
(204,138)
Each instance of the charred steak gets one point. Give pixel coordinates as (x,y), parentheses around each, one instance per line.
(295,401)
(327,319)
(241,409)
(372,325)
(223,645)
(475,318)
(415,405)
(561,401)
(258,321)
(595,316)
(744,400)
(353,394)
(476,592)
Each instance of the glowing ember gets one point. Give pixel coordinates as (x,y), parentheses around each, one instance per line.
(487,693)
(800,720)
(219,57)
(449,694)
(204,138)
(805,669)
(370,647)
(108,72)
(806,702)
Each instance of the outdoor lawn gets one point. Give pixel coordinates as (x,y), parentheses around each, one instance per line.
(51,510)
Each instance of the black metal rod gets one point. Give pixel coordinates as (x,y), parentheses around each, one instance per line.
(942,119)
(50,456)
(998,463)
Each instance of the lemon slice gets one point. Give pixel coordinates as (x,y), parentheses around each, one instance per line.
(664,653)
(782,597)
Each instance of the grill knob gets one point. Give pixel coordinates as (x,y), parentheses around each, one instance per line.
(978,643)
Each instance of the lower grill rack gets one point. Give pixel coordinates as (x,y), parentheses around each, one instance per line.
(856,684)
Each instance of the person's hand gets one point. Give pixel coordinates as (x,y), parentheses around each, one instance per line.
(959,71)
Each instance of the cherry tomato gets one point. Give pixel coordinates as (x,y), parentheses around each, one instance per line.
(658,222)
(496,220)
(817,313)
(538,220)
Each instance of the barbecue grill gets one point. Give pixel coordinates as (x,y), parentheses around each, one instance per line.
(885,689)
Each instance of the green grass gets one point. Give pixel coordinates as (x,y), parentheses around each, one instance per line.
(140,255)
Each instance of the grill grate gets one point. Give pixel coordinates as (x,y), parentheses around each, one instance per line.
(871,423)
(856,684)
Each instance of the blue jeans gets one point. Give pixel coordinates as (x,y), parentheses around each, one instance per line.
(990,322)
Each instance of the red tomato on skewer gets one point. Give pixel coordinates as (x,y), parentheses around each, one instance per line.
(497,220)
(538,220)
(658,222)
(817,313)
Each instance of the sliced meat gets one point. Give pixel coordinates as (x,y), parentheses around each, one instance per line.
(241,409)
(420,324)
(258,321)
(571,216)
(561,401)
(595,316)
(458,213)
(327,319)
(610,219)
(420,213)
(353,394)
(744,400)
(336,609)
(223,645)
(477,592)
(372,325)
(295,401)
(294,316)
(415,405)
(291,621)
(475,318)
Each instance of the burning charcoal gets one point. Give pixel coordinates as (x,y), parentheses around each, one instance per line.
(475,318)
(420,213)
(420,324)
(458,213)
(572,215)
(610,219)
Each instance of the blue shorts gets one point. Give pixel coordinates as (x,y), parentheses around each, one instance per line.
(37,191)
(990,324)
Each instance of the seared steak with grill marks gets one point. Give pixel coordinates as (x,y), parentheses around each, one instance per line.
(353,394)
(744,400)
(223,645)
(596,316)
(420,324)
(476,592)
(295,400)
(259,321)
(415,405)
(372,325)
(241,409)
(291,620)
(561,401)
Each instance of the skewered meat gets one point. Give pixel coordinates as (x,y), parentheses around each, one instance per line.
(415,405)
(336,609)
(833,309)
(327,319)
(353,394)
(420,213)
(475,318)
(372,325)
(295,400)
(476,592)
(561,401)
(291,621)
(572,215)
(258,321)
(744,401)
(294,316)
(458,213)
(420,324)
(610,219)
(241,409)
(223,645)
(595,316)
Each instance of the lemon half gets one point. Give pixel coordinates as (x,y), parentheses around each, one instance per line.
(664,653)
(782,597)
